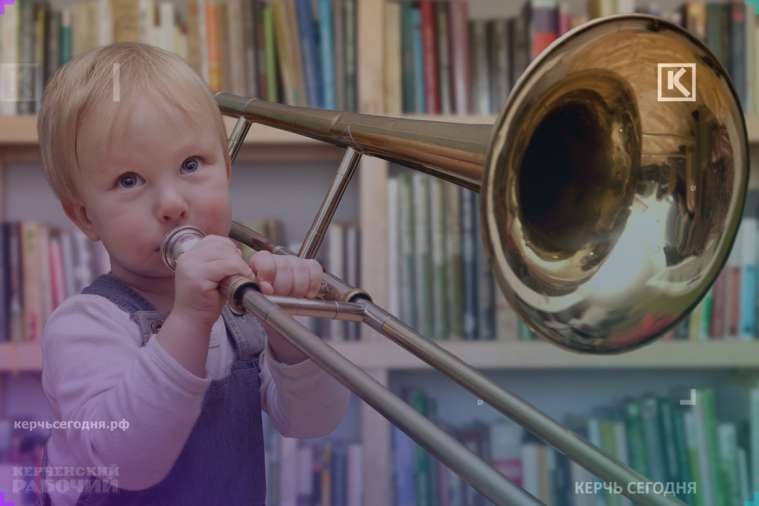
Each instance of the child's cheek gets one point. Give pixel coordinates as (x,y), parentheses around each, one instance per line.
(219,218)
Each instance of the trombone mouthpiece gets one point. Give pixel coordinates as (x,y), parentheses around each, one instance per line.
(178,241)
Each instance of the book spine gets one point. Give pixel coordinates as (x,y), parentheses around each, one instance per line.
(249,43)
(459,30)
(338,36)
(32,307)
(636,446)
(444,60)
(351,63)
(418,52)
(499,64)
(393,245)
(65,42)
(454,266)
(193,38)
(326,45)
(283,50)
(481,70)
(689,422)
(292,33)
(271,55)
(469,259)
(439,287)
(214,46)
(429,50)
(654,444)
(727,443)
(407,57)
(544,25)
(407,253)
(737,24)
(24,75)
(310,60)
(717,330)
(261,45)
(707,314)
(422,264)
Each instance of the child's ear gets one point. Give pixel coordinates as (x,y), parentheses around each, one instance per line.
(78,214)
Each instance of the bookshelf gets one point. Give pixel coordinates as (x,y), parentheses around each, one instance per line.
(379,357)
(529,356)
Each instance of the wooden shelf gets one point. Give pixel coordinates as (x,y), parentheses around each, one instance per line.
(511,355)
(728,353)
(18,142)
(20,357)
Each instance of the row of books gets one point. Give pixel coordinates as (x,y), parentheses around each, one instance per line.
(298,52)
(662,438)
(440,61)
(40,266)
(322,472)
(440,282)
(444,62)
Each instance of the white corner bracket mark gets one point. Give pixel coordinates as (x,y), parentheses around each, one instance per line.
(691,401)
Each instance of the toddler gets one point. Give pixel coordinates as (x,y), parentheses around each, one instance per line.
(133,145)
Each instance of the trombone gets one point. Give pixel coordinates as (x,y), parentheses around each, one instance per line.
(609,206)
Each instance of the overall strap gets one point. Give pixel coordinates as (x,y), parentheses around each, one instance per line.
(139,309)
(246,331)
(119,293)
(248,334)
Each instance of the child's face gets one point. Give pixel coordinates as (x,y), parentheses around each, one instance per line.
(145,172)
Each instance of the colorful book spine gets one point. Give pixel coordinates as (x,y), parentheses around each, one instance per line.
(749,245)
(308,37)
(430,54)
(326,46)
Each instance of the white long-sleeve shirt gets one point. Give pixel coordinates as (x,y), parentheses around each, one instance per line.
(94,369)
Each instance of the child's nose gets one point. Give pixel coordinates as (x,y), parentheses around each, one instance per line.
(172,207)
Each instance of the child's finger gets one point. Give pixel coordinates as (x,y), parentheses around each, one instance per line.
(302,279)
(264,265)
(315,278)
(283,281)
(266,288)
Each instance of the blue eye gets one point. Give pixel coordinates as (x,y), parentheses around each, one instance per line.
(191,164)
(127,180)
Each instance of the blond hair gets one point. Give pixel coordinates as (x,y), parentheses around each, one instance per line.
(86,80)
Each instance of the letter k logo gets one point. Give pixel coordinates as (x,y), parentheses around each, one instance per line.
(680,82)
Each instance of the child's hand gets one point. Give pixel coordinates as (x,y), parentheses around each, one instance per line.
(286,275)
(197,276)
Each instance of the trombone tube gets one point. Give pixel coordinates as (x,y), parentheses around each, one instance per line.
(585,454)
(239,132)
(332,309)
(460,459)
(315,235)
(444,150)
